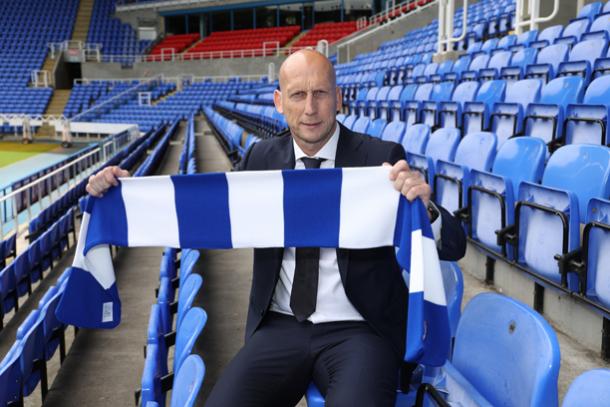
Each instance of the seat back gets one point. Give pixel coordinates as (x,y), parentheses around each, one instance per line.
(479,62)
(476,151)
(376,127)
(591,389)
(507,41)
(520,159)
(416,138)
(442,144)
(465,92)
(394,131)
(583,169)
(361,124)
(601,24)
(187,295)
(503,347)
(10,376)
(553,55)
(576,28)
(32,349)
(187,382)
(453,282)
(523,92)
(191,326)
(598,251)
(550,34)
(562,91)
(590,10)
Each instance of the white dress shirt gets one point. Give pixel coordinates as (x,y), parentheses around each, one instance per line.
(332,303)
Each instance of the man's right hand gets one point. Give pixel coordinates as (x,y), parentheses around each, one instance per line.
(102,181)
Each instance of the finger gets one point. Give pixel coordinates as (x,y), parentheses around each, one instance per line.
(397,168)
(411,179)
(400,180)
(119,172)
(386,164)
(109,178)
(419,191)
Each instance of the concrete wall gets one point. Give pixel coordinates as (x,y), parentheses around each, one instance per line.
(206,67)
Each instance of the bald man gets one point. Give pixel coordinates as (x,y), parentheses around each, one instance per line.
(336,317)
(350,343)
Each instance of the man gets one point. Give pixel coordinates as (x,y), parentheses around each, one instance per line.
(336,317)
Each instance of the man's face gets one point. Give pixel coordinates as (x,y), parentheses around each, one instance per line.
(308,100)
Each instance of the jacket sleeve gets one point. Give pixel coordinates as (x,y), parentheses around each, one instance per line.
(453,239)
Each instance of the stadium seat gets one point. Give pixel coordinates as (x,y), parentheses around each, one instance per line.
(547,36)
(547,62)
(441,92)
(394,131)
(416,138)
(361,124)
(450,112)
(10,377)
(592,389)
(587,122)
(489,364)
(547,216)
(492,194)
(452,179)
(507,116)
(188,382)
(544,119)
(442,145)
(518,64)
(476,114)
(582,58)
(187,295)
(376,127)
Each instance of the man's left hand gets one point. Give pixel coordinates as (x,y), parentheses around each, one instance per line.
(410,183)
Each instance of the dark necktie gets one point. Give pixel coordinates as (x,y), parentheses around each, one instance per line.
(305,282)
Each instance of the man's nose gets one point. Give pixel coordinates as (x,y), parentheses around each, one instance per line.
(310,104)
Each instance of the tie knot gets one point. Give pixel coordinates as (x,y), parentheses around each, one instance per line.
(312,162)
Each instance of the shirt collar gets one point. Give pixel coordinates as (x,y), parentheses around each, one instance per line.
(327,152)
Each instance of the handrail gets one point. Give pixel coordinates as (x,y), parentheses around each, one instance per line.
(446,14)
(534,11)
(112,99)
(174,79)
(13,195)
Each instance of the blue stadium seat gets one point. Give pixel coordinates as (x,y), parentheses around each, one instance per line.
(591,389)
(384,106)
(376,128)
(416,138)
(582,58)
(10,377)
(53,330)
(407,94)
(32,360)
(518,63)
(350,120)
(191,326)
(548,216)
(593,273)
(458,68)
(361,124)
(573,31)
(441,92)
(450,113)
(498,61)
(187,295)
(473,377)
(394,131)
(590,10)
(452,179)
(544,119)
(547,36)
(492,194)
(476,114)
(507,116)
(478,63)
(587,122)
(411,110)
(442,145)
(187,382)
(547,62)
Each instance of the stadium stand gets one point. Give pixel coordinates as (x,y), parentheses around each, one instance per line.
(172,44)
(325,31)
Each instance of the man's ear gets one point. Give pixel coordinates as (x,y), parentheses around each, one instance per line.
(277,100)
(339,99)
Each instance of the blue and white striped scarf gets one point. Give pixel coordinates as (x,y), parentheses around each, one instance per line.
(352,208)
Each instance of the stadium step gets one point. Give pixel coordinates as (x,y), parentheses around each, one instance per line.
(58,102)
(296,38)
(83,18)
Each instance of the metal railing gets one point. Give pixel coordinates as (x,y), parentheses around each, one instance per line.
(446,17)
(177,79)
(30,197)
(533,10)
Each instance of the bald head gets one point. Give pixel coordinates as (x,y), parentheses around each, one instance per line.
(306,60)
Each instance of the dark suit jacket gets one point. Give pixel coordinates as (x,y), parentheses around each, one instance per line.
(371,277)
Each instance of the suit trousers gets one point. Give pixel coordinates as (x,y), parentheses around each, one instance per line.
(350,363)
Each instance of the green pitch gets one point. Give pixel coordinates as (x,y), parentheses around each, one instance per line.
(11,152)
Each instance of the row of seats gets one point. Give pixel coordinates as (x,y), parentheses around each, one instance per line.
(8,249)
(251,39)
(234,139)
(330,32)
(563,111)
(263,120)
(173,44)
(187,164)
(40,336)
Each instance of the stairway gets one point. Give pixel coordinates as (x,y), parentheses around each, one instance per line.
(296,38)
(56,108)
(83,18)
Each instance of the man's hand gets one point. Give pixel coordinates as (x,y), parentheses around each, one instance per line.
(102,181)
(410,183)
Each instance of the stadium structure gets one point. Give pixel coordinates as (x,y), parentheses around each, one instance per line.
(502,105)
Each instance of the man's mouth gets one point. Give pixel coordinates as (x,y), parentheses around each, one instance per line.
(311,124)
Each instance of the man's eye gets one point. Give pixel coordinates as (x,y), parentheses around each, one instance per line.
(319,93)
(298,95)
